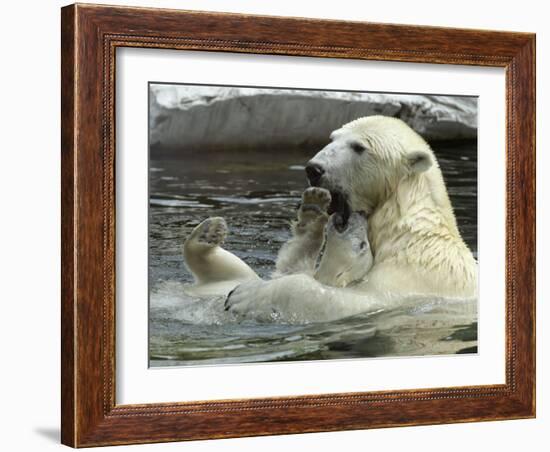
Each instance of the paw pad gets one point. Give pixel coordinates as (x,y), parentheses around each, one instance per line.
(213,231)
(317,196)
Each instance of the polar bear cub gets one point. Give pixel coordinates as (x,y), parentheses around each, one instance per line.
(332,249)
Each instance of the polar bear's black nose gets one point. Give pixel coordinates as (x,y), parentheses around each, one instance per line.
(314,172)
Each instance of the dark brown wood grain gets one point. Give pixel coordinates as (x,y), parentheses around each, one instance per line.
(90,36)
(68,310)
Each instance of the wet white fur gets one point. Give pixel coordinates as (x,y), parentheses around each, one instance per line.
(418,250)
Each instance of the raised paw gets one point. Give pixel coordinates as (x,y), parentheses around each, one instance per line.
(315,202)
(316,196)
(211,232)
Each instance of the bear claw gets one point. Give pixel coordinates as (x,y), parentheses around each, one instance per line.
(226,305)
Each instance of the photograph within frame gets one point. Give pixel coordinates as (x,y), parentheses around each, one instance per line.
(207,149)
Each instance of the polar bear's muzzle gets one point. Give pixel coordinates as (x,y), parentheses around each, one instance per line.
(314,172)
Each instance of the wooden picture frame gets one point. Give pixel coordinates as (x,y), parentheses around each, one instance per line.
(90,36)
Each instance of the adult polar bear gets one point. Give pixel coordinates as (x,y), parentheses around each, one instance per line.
(381,166)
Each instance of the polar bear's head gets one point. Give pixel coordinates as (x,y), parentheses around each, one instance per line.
(347,256)
(366,160)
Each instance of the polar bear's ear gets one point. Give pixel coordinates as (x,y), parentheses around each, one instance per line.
(419,161)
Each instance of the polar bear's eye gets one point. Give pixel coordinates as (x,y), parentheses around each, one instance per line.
(357,147)
(362,245)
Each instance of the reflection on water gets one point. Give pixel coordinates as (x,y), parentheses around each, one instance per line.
(258,197)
